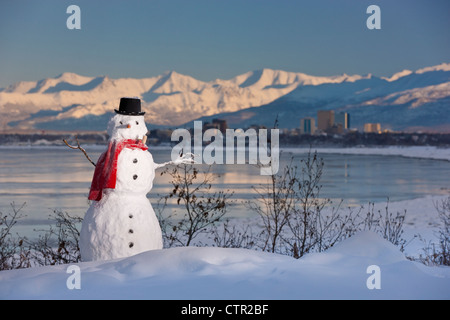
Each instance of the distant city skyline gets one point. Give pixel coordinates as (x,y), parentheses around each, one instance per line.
(219,39)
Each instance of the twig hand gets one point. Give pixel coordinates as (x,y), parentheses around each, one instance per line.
(187,158)
(80,148)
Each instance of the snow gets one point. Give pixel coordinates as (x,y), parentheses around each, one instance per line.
(239,274)
(73,96)
(117,127)
(441,67)
(398,75)
(416,97)
(421,221)
(219,273)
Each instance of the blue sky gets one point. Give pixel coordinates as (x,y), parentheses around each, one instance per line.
(211,39)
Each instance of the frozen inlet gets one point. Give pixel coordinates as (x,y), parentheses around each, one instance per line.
(261,150)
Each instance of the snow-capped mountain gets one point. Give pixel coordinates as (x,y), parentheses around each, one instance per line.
(75,102)
(407,100)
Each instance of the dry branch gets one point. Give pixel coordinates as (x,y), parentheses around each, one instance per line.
(80,148)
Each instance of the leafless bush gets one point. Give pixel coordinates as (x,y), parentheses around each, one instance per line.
(315,223)
(387,224)
(438,253)
(232,236)
(296,219)
(13,253)
(443,209)
(202,207)
(59,244)
(274,203)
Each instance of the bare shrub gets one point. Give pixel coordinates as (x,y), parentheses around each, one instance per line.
(201,206)
(229,235)
(386,223)
(443,255)
(296,219)
(60,243)
(315,224)
(435,254)
(13,253)
(274,203)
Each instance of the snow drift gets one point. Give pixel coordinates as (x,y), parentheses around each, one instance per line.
(218,273)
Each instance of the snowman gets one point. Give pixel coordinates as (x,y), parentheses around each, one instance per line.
(120,221)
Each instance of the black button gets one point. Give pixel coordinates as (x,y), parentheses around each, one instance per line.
(135,161)
(131,244)
(130,231)
(135,177)
(130,216)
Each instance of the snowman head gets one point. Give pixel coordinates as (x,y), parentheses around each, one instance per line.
(129,122)
(127,127)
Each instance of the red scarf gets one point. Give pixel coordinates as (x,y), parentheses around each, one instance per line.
(106,168)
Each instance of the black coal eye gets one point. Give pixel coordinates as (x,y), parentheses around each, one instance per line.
(137,122)
(120,122)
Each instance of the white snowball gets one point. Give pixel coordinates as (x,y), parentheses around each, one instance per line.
(127,127)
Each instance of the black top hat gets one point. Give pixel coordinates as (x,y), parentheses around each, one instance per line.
(130,107)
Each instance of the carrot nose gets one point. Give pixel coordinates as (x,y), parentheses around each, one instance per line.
(128,126)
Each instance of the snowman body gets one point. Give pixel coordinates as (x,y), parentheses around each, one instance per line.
(123,223)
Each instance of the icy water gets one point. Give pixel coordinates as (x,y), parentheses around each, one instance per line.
(58,178)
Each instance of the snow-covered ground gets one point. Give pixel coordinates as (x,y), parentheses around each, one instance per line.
(239,274)
(343,272)
(217,273)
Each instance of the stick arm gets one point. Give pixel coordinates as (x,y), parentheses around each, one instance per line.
(80,148)
(185,159)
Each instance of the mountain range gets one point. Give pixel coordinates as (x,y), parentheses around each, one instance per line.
(408,100)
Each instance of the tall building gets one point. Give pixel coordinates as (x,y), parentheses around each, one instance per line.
(325,119)
(221,125)
(342,118)
(307,126)
(372,127)
(218,124)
